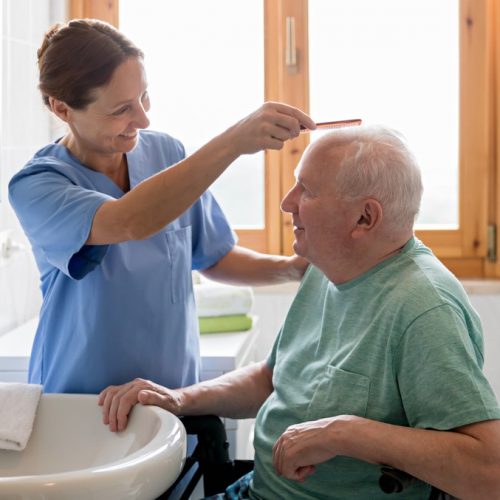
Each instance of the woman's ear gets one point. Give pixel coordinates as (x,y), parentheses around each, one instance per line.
(370,217)
(60,109)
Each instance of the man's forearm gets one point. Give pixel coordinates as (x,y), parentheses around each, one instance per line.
(237,394)
(464,464)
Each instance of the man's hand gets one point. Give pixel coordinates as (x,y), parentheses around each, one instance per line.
(301,447)
(117,401)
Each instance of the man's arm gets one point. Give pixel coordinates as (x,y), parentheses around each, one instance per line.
(242,266)
(464,462)
(237,394)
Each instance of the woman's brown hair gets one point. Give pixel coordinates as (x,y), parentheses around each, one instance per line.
(79,56)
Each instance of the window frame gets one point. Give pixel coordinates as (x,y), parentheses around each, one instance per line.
(463,250)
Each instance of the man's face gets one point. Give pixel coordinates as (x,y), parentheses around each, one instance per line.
(322,221)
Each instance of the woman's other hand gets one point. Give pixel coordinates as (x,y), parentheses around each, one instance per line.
(297,267)
(117,401)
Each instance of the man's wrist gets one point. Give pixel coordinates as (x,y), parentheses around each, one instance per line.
(343,432)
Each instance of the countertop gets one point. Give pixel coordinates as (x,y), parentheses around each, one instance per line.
(219,351)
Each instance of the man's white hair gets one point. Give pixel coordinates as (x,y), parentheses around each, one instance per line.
(378,164)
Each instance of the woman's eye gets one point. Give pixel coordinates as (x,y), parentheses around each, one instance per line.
(121,111)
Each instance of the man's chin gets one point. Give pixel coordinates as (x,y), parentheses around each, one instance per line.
(298,250)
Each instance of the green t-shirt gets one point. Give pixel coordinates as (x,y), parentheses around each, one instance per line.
(400,344)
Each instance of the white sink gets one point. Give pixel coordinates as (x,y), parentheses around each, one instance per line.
(71,454)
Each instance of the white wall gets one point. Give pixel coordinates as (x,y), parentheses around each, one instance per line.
(25,127)
(488,307)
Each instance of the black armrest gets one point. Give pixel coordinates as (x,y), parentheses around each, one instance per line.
(212,457)
(394,481)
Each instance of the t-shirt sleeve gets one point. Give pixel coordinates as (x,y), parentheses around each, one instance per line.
(271,357)
(212,235)
(57,216)
(440,379)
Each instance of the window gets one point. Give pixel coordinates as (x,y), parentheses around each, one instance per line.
(463,203)
(205,73)
(391,62)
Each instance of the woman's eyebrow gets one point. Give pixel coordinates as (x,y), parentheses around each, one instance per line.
(127,101)
(121,103)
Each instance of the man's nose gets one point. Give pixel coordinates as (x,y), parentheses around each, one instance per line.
(288,203)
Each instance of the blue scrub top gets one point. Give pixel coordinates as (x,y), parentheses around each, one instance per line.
(112,313)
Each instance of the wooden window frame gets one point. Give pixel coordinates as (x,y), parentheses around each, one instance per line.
(106,10)
(463,250)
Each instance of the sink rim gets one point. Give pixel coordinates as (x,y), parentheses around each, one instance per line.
(147,453)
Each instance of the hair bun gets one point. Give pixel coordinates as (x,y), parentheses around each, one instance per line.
(79,56)
(52,31)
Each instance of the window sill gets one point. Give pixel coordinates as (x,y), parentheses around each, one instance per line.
(481,287)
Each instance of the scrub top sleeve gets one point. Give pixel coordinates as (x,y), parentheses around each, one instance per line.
(212,235)
(57,216)
(439,375)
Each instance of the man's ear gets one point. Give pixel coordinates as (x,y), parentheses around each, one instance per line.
(370,217)
(60,109)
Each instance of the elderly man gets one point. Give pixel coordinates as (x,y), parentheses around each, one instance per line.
(379,359)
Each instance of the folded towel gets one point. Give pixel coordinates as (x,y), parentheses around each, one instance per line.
(219,324)
(215,299)
(18,405)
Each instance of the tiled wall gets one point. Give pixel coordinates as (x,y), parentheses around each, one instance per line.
(25,127)
(26,124)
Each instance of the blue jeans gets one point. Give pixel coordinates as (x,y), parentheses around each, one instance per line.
(236,491)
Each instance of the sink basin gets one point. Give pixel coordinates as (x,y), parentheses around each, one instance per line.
(72,454)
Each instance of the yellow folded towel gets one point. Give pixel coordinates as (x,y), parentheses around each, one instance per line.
(219,324)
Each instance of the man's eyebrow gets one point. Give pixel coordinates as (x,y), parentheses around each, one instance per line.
(298,178)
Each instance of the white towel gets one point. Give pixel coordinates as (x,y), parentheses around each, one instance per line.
(215,299)
(18,405)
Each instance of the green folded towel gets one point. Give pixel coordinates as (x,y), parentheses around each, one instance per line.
(218,324)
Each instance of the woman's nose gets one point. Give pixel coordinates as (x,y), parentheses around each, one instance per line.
(141,118)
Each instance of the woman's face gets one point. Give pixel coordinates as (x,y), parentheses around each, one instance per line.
(110,123)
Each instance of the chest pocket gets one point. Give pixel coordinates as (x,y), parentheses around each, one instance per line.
(339,392)
(180,253)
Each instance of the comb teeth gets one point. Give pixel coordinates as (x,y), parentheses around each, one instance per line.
(333,124)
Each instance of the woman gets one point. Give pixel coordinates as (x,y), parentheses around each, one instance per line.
(115,232)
